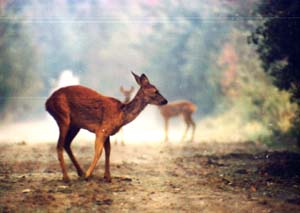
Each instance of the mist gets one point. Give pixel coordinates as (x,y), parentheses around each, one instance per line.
(192,51)
(147,128)
(227,67)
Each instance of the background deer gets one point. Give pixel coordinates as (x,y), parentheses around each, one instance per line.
(127,94)
(76,107)
(173,109)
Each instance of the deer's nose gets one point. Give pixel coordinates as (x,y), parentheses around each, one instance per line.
(164,102)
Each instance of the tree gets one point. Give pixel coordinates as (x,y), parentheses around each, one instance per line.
(182,50)
(277,38)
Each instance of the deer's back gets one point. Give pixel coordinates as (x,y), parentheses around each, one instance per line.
(83,107)
(177,108)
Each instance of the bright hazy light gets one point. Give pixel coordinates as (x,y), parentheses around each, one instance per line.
(147,127)
(66,78)
(142,130)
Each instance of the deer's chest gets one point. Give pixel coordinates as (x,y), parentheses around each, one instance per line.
(111,123)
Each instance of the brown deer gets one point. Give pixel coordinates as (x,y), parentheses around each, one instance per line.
(76,107)
(127,94)
(177,108)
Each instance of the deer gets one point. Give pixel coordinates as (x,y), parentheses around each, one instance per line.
(177,108)
(127,95)
(76,107)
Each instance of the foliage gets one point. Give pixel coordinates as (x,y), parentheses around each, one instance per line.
(17,64)
(249,90)
(183,51)
(226,77)
(272,106)
(278,39)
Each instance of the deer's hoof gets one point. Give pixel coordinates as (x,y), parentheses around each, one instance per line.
(66,179)
(107,178)
(81,177)
(86,178)
(80,173)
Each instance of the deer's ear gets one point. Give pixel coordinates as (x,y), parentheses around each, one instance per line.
(144,80)
(137,78)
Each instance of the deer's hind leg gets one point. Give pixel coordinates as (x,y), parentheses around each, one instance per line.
(63,124)
(189,122)
(107,176)
(72,132)
(193,130)
(185,131)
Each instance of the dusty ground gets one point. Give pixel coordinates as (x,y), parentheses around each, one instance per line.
(197,177)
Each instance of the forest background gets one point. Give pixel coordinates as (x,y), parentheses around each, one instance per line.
(203,51)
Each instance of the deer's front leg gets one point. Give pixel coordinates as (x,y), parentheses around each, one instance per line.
(107,176)
(99,142)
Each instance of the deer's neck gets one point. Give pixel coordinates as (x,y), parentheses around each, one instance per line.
(127,99)
(132,109)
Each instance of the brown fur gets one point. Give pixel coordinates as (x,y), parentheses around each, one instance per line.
(183,108)
(76,107)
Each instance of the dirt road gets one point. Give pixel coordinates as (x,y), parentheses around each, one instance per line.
(197,177)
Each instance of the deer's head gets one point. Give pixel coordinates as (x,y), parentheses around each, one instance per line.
(151,93)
